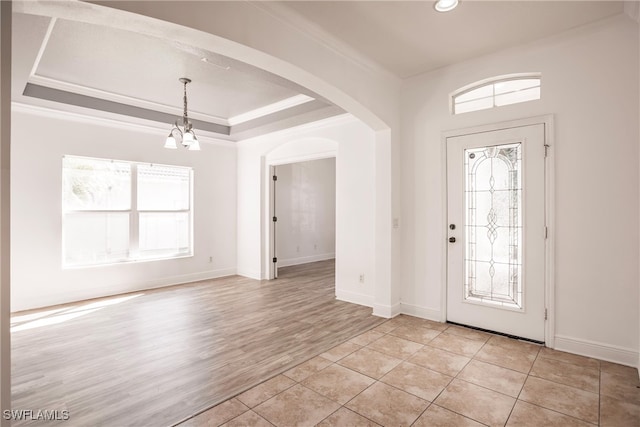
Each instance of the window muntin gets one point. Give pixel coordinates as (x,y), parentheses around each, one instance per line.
(496,93)
(117,211)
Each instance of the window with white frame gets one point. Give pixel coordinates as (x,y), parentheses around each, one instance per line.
(117,211)
(496,92)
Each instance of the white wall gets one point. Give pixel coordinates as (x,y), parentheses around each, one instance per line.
(38,143)
(306,211)
(352,143)
(589,80)
(5,202)
(265,35)
(590,84)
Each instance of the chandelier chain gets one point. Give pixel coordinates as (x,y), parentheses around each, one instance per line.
(185,119)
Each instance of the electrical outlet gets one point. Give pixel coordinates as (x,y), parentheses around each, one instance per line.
(362,278)
(210,259)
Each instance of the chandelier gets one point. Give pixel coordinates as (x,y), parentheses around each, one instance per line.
(183,133)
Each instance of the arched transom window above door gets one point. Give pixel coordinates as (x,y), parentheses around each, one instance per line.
(495,92)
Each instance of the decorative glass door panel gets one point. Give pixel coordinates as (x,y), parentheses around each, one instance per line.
(495,233)
(493,226)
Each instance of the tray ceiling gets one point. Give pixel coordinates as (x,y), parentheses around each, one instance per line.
(69,65)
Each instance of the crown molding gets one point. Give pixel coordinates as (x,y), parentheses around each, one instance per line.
(43,45)
(123,99)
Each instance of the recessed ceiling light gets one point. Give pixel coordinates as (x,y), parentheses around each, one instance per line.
(445,5)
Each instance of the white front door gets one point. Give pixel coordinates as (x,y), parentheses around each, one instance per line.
(496,221)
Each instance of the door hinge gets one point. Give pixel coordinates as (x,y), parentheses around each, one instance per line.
(275,219)
(545,314)
(546,232)
(546,149)
(275,259)
(275,178)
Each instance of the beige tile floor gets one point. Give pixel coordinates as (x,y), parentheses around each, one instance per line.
(414,372)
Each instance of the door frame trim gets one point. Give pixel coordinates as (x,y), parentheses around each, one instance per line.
(268,269)
(549,214)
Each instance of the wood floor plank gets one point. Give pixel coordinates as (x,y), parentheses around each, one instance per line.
(157,357)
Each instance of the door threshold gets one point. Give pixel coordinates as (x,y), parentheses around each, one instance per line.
(515,337)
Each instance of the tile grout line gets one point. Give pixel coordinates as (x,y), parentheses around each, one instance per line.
(478,385)
(522,388)
(539,356)
(291,386)
(390,385)
(376,380)
(557,382)
(353,370)
(450,381)
(345,367)
(406,359)
(452,377)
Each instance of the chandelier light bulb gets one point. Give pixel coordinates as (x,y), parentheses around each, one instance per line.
(170,142)
(195,145)
(187,138)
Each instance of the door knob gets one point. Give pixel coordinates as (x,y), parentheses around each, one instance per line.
(452,239)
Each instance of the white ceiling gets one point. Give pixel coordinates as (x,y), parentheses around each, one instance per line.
(147,68)
(73,66)
(410,37)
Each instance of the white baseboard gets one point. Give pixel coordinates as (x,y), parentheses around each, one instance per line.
(386,311)
(305,259)
(422,312)
(187,278)
(251,274)
(611,353)
(354,297)
(40,301)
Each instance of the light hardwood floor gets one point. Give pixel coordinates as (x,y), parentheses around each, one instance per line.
(158,357)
